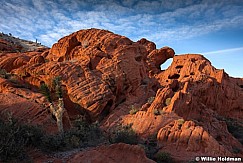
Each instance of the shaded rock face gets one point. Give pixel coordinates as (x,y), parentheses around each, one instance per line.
(114,153)
(105,75)
(199,96)
(105,153)
(191,140)
(203,88)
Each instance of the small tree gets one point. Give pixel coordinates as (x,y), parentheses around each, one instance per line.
(124,134)
(151,100)
(167,101)
(58,110)
(181,121)
(133,110)
(156,112)
(3,73)
(163,157)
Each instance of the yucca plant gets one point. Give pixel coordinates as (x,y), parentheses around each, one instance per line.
(46,92)
(58,110)
(57,85)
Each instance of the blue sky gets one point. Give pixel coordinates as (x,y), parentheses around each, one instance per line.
(210,27)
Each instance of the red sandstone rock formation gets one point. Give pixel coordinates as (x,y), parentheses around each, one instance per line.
(97,75)
(200,94)
(105,75)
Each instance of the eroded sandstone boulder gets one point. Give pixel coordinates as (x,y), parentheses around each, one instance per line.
(197,93)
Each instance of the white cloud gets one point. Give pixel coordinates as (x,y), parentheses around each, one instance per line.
(224,51)
(228,59)
(158,20)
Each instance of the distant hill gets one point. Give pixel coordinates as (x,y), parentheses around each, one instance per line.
(9,43)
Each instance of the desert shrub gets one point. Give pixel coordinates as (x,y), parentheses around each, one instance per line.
(150,146)
(53,143)
(89,134)
(124,134)
(156,112)
(11,143)
(181,121)
(162,112)
(82,135)
(3,73)
(15,137)
(133,110)
(236,150)
(167,101)
(235,128)
(163,157)
(150,100)
(33,135)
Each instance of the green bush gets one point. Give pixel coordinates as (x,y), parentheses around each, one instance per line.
(82,135)
(235,128)
(89,134)
(133,110)
(53,143)
(124,134)
(14,139)
(11,143)
(3,73)
(150,146)
(162,157)
(150,100)
(236,150)
(181,121)
(156,112)
(167,101)
(33,135)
